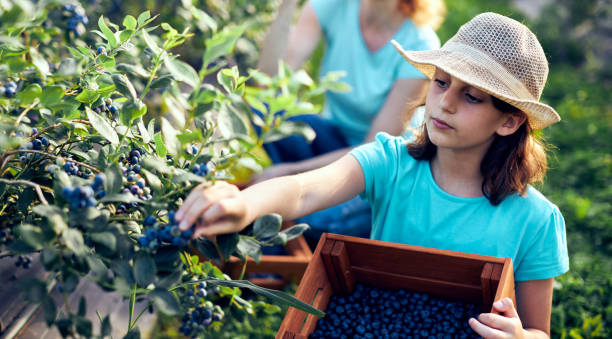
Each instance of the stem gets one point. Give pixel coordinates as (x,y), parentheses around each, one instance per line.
(36,187)
(132,302)
(141,312)
(34,136)
(54,157)
(244,266)
(25,111)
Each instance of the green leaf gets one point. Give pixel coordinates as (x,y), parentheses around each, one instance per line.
(133,70)
(131,111)
(101,125)
(32,235)
(160,148)
(74,241)
(152,179)
(82,307)
(49,310)
(114,179)
(143,17)
(122,269)
(87,96)
(278,297)
(170,136)
(51,95)
(146,138)
(144,270)
(121,197)
(29,94)
(105,239)
(295,231)
(130,22)
(221,44)
(105,327)
(204,20)
(124,86)
(165,301)
(182,71)
(135,332)
(288,128)
(249,247)
(163,81)
(190,136)
(206,248)
(150,42)
(227,243)
(110,36)
(83,326)
(40,63)
(267,226)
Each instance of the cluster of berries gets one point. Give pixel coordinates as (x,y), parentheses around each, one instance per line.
(85,196)
(200,169)
(77,19)
(202,315)
(73,169)
(37,144)
(135,184)
(10,89)
(372,312)
(107,104)
(23,261)
(159,233)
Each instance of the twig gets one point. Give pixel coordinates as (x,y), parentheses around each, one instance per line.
(25,111)
(34,136)
(36,187)
(54,157)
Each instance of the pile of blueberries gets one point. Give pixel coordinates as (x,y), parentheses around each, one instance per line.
(85,196)
(77,19)
(372,312)
(135,183)
(10,89)
(202,315)
(159,233)
(73,169)
(23,261)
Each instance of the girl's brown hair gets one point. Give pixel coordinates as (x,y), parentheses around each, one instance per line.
(510,164)
(424,12)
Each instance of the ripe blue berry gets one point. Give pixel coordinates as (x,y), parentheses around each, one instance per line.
(101,50)
(113,109)
(150,220)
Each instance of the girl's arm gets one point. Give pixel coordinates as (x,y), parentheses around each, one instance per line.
(295,44)
(532,320)
(392,118)
(222,208)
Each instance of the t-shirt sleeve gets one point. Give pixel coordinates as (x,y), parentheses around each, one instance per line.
(324,10)
(378,160)
(422,39)
(546,257)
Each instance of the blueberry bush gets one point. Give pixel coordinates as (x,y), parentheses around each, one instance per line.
(104,129)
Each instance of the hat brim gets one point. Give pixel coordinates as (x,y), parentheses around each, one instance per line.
(539,115)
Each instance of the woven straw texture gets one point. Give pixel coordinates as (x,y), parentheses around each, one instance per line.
(498,55)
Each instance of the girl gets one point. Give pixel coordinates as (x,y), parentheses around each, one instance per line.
(462,186)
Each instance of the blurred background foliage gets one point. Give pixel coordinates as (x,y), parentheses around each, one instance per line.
(576,36)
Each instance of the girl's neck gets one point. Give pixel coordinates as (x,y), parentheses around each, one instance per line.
(381,14)
(458,173)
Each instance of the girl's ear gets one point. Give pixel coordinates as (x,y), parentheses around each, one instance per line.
(511,124)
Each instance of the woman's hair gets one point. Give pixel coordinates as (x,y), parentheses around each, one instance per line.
(510,164)
(424,12)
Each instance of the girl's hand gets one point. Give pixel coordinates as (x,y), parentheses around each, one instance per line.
(507,324)
(213,209)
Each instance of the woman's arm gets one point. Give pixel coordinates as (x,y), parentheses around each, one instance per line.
(222,208)
(295,44)
(532,320)
(392,118)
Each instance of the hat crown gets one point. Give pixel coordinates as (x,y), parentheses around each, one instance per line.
(511,44)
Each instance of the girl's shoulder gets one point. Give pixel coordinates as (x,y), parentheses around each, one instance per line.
(534,204)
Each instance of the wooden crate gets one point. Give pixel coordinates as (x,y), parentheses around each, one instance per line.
(341,261)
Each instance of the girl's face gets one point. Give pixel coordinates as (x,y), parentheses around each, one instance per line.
(461,117)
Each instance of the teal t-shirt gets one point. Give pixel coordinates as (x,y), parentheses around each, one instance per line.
(370,75)
(409,207)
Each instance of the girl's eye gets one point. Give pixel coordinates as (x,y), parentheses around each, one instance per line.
(441,83)
(472,99)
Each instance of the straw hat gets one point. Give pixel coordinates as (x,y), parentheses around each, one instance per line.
(499,56)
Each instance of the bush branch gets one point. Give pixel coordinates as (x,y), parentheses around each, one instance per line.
(36,187)
(54,157)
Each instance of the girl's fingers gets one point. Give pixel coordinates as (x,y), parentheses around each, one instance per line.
(193,196)
(203,199)
(227,225)
(484,330)
(225,207)
(497,321)
(506,306)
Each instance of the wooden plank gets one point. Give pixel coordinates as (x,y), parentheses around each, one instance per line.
(485,283)
(439,288)
(342,267)
(314,280)
(326,255)
(320,302)
(505,287)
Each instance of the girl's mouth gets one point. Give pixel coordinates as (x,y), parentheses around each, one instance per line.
(440,124)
